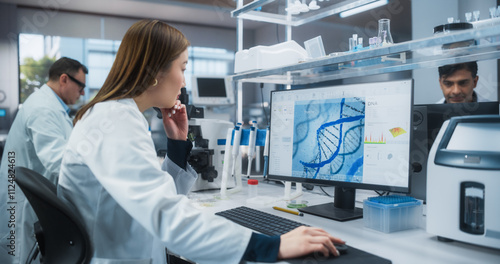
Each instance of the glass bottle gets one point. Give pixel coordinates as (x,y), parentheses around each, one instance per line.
(384,32)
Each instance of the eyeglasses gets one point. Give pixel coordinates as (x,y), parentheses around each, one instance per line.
(82,85)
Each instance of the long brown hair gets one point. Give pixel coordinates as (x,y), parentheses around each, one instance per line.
(148,47)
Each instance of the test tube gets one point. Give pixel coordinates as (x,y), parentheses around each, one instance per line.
(351,44)
(360,43)
(372,42)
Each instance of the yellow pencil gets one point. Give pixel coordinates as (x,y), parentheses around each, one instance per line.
(287,211)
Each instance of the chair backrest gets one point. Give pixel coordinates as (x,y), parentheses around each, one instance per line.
(65,239)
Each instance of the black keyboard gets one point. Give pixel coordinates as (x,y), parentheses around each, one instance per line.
(259,221)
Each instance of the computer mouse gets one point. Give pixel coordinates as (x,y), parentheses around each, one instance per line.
(342,248)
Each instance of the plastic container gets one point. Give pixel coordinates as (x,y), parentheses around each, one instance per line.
(252,188)
(452,27)
(392,213)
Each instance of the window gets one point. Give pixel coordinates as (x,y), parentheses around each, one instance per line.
(208,61)
(38,52)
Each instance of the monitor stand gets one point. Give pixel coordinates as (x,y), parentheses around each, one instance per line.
(342,209)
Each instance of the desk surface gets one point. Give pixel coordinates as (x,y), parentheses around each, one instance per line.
(409,246)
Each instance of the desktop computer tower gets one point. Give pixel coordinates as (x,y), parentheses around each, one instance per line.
(418,153)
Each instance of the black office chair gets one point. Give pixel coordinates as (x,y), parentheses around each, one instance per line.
(60,232)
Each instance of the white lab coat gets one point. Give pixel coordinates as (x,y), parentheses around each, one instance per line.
(131,206)
(38,137)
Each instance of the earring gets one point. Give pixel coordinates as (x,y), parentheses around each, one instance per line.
(156,82)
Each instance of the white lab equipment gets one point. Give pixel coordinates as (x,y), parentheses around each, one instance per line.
(315,48)
(212,130)
(232,167)
(266,153)
(303,7)
(463,183)
(227,164)
(210,90)
(236,146)
(257,159)
(266,57)
(313,5)
(251,146)
(293,7)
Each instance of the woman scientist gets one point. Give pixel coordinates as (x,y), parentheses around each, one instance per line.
(132,206)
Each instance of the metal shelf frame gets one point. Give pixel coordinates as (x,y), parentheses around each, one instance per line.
(328,8)
(422,53)
(410,55)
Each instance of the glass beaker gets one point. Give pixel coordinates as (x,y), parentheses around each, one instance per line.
(384,32)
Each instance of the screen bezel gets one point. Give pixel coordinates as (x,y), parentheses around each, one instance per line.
(364,186)
(487,160)
(208,100)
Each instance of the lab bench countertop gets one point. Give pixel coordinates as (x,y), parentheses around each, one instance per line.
(402,247)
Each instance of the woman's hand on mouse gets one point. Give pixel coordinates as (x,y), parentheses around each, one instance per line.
(305,240)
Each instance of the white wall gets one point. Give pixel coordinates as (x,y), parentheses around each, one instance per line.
(426,14)
(15,20)
(68,24)
(487,70)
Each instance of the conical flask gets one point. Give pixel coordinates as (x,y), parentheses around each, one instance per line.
(384,32)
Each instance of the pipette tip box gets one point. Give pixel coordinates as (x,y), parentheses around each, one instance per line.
(392,213)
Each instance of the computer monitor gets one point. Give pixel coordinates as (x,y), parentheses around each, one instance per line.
(349,136)
(427,121)
(212,90)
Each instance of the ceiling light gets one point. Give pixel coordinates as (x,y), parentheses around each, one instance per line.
(363,8)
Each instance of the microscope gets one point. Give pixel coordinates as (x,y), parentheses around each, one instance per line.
(207,155)
(208,138)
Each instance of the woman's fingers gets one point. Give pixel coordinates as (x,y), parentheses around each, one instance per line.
(305,240)
(177,108)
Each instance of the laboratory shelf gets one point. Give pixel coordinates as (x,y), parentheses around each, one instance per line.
(410,55)
(269,11)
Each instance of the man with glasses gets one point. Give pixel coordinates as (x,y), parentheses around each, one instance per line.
(36,141)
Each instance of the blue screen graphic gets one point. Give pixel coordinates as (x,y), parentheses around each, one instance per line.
(328,139)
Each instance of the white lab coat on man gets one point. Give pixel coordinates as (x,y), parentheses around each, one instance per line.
(36,141)
(132,206)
